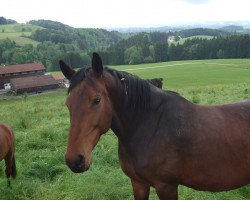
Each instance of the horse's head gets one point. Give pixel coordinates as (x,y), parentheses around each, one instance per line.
(90,112)
(158,82)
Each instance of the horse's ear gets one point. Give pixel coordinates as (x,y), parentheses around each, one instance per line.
(97,64)
(67,71)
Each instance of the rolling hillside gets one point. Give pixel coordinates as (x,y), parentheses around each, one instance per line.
(46,30)
(52,41)
(19,33)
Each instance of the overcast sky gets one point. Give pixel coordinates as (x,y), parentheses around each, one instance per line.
(126,13)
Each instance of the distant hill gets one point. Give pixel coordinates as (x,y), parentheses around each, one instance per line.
(36,31)
(232,28)
(85,38)
(50,24)
(201,31)
(147,30)
(210,25)
(48,41)
(4,21)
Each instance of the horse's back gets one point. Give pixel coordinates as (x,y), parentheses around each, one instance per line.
(220,147)
(204,147)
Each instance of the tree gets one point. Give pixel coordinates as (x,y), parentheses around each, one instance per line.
(133,55)
(161,51)
(18,57)
(148,59)
(86,60)
(220,54)
(7,56)
(3,21)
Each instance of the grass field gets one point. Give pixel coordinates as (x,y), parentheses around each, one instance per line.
(182,40)
(17,33)
(41,123)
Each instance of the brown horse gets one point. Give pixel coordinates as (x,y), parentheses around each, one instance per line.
(7,150)
(158,82)
(164,140)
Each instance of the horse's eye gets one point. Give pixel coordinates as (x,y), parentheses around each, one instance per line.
(96,101)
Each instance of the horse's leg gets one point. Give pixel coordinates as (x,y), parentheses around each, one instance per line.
(141,191)
(8,165)
(167,192)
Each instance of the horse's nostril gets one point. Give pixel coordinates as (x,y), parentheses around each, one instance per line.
(80,160)
(78,165)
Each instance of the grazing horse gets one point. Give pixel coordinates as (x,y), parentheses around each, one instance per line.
(156,82)
(164,140)
(7,150)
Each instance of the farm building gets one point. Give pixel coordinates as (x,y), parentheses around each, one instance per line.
(171,38)
(35,84)
(21,70)
(62,81)
(58,77)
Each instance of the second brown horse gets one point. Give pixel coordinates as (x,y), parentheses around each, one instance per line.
(7,150)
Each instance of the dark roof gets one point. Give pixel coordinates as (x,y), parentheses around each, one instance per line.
(21,68)
(33,81)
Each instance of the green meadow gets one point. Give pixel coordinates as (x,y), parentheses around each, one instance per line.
(18,33)
(182,40)
(41,124)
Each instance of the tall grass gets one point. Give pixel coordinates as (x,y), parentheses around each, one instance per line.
(41,124)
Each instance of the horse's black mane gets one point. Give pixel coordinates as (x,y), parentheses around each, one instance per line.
(136,90)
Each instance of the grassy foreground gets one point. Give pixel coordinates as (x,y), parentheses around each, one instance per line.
(41,124)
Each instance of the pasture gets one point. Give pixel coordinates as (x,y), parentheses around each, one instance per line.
(41,123)
(182,40)
(18,33)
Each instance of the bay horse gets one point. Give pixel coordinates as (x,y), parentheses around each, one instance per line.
(158,82)
(164,140)
(7,150)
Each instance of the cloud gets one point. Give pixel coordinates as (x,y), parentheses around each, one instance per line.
(197,1)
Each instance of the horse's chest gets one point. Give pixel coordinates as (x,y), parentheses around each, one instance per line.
(131,165)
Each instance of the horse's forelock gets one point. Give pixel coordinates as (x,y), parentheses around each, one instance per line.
(78,77)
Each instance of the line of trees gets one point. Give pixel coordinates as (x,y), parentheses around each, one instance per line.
(233,46)
(141,48)
(144,48)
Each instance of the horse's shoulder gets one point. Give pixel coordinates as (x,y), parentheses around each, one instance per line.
(4,128)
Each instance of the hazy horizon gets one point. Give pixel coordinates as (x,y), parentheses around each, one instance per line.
(129,13)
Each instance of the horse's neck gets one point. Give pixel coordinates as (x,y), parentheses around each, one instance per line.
(123,120)
(126,120)
(125,117)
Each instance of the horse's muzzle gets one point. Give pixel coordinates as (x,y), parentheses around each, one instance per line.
(77,165)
